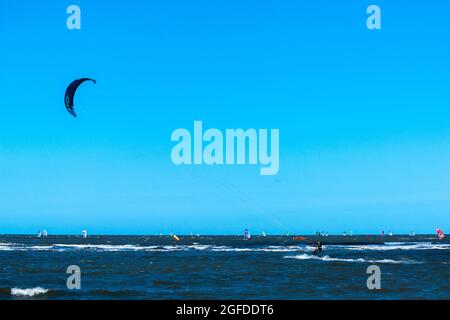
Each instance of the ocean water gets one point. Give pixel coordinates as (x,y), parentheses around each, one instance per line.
(223,267)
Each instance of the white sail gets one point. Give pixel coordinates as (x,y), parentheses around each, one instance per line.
(84,233)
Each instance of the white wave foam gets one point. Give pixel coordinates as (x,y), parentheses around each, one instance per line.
(31,292)
(215,248)
(102,247)
(399,246)
(328,258)
(200,247)
(397,243)
(37,248)
(263,249)
(168,248)
(21,247)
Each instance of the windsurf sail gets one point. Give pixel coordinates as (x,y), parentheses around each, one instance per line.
(247,235)
(84,233)
(440,234)
(44,233)
(39,234)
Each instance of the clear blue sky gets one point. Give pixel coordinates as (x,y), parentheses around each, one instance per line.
(364,116)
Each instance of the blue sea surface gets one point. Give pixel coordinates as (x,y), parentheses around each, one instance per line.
(223,267)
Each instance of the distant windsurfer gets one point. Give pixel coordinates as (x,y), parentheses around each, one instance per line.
(318,248)
(440,234)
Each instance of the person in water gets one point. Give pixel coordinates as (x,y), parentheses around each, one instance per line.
(318,248)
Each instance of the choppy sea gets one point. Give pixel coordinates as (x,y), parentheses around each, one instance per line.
(224,267)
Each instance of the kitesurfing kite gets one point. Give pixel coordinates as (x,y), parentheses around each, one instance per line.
(70,93)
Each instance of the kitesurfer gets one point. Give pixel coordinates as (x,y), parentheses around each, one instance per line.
(318,248)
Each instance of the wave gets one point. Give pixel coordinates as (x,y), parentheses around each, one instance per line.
(218,248)
(398,246)
(102,247)
(328,258)
(30,292)
(154,248)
